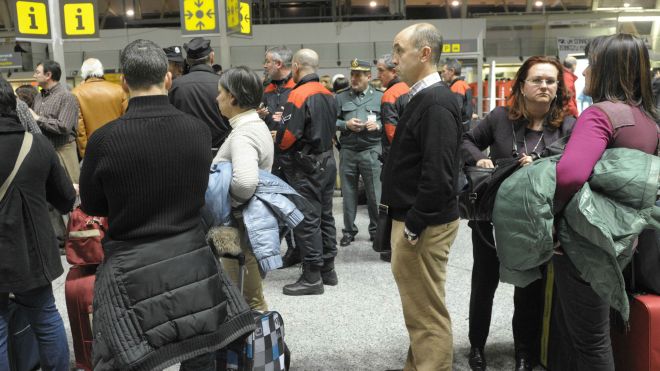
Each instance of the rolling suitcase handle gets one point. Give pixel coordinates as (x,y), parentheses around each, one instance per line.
(240,258)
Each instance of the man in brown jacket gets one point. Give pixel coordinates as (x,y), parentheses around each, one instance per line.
(100,101)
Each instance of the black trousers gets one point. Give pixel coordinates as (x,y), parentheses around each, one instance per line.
(583,320)
(527,301)
(316,235)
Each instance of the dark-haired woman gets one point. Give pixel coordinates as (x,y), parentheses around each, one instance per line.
(624,116)
(29,254)
(534,120)
(249,147)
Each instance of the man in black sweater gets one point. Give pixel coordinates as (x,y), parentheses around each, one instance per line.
(419,186)
(148,172)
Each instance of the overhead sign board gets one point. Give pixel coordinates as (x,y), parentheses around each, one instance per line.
(10,59)
(459,46)
(199,17)
(570,45)
(233,10)
(246,19)
(79,19)
(31,18)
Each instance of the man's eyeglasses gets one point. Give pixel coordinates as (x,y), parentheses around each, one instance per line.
(539,82)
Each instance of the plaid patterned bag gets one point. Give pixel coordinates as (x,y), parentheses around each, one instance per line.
(262,350)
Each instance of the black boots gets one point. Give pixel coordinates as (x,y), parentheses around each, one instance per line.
(477,359)
(328,273)
(291,257)
(309,283)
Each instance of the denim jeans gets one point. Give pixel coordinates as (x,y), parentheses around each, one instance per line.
(39,306)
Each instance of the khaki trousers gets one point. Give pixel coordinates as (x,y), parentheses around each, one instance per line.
(253,289)
(420,272)
(68,155)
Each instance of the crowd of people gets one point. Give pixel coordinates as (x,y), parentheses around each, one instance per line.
(147,146)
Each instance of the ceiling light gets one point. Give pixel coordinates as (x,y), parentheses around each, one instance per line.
(373,4)
(455,3)
(538,4)
(626,5)
(130,12)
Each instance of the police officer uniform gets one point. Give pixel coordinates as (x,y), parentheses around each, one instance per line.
(195,93)
(359,154)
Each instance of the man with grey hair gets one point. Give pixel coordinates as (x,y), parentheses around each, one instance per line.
(570,63)
(277,69)
(160,295)
(99,101)
(419,187)
(308,165)
(195,92)
(451,75)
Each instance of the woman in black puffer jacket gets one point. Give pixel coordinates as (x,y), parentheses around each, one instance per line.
(29,254)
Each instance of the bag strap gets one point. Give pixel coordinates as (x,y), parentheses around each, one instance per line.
(22,153)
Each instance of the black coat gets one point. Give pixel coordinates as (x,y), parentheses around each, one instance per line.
(29,254)
(195,93)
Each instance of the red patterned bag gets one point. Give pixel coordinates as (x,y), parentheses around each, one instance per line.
(84,235)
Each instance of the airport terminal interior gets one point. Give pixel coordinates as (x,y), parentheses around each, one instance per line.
(359,323)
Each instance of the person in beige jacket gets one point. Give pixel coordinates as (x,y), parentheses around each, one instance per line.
(100,101)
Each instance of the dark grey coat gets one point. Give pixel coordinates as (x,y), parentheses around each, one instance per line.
(29,254)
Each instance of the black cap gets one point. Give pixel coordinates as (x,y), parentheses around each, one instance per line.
(198,48)
(173,54)
(359,65)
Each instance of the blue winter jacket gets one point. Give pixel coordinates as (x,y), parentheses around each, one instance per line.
(263,214)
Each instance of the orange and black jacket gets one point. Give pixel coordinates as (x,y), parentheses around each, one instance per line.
(275,97)
(308,121)
(391,107)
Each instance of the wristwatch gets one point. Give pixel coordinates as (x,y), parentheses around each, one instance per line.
(409,235)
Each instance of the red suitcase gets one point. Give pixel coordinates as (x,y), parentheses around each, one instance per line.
(638,348)
(79,293)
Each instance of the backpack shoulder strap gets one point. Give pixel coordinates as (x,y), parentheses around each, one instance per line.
(22,153)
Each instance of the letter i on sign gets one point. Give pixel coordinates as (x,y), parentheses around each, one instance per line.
(80,20)
(33,19)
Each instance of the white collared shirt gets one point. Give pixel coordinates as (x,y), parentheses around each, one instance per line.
(424,83)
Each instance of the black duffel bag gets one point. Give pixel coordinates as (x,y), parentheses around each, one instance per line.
(477,198)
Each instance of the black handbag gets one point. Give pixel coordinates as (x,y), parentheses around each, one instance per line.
(383,230)
(477,198)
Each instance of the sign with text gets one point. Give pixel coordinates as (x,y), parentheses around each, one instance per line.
(199,17)
(459,46)
(31,18)
(79,19)
(572,45)
(9,59)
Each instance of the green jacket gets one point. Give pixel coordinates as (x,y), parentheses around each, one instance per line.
(350,105)
(598,227)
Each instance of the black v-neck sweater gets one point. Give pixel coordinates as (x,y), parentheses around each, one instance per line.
(420,176)
(147,171)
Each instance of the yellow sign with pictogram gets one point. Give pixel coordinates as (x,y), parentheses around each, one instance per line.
(446,48)
(246,18)
(79,19)
(455,48)
(199,17)
(233,14)
(32,18)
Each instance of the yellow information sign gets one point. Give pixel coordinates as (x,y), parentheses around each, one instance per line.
(246,19)
(79,19)
(446,48)
(199,16)
(233,16)
(455,48)
(32,18)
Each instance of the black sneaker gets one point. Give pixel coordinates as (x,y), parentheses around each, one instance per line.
(309,283)
(346,240)
(477,359)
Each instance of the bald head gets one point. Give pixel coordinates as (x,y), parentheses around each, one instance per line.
(416,51)
(304,62)
(91,67)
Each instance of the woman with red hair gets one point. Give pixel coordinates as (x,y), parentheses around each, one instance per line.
(532,122)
